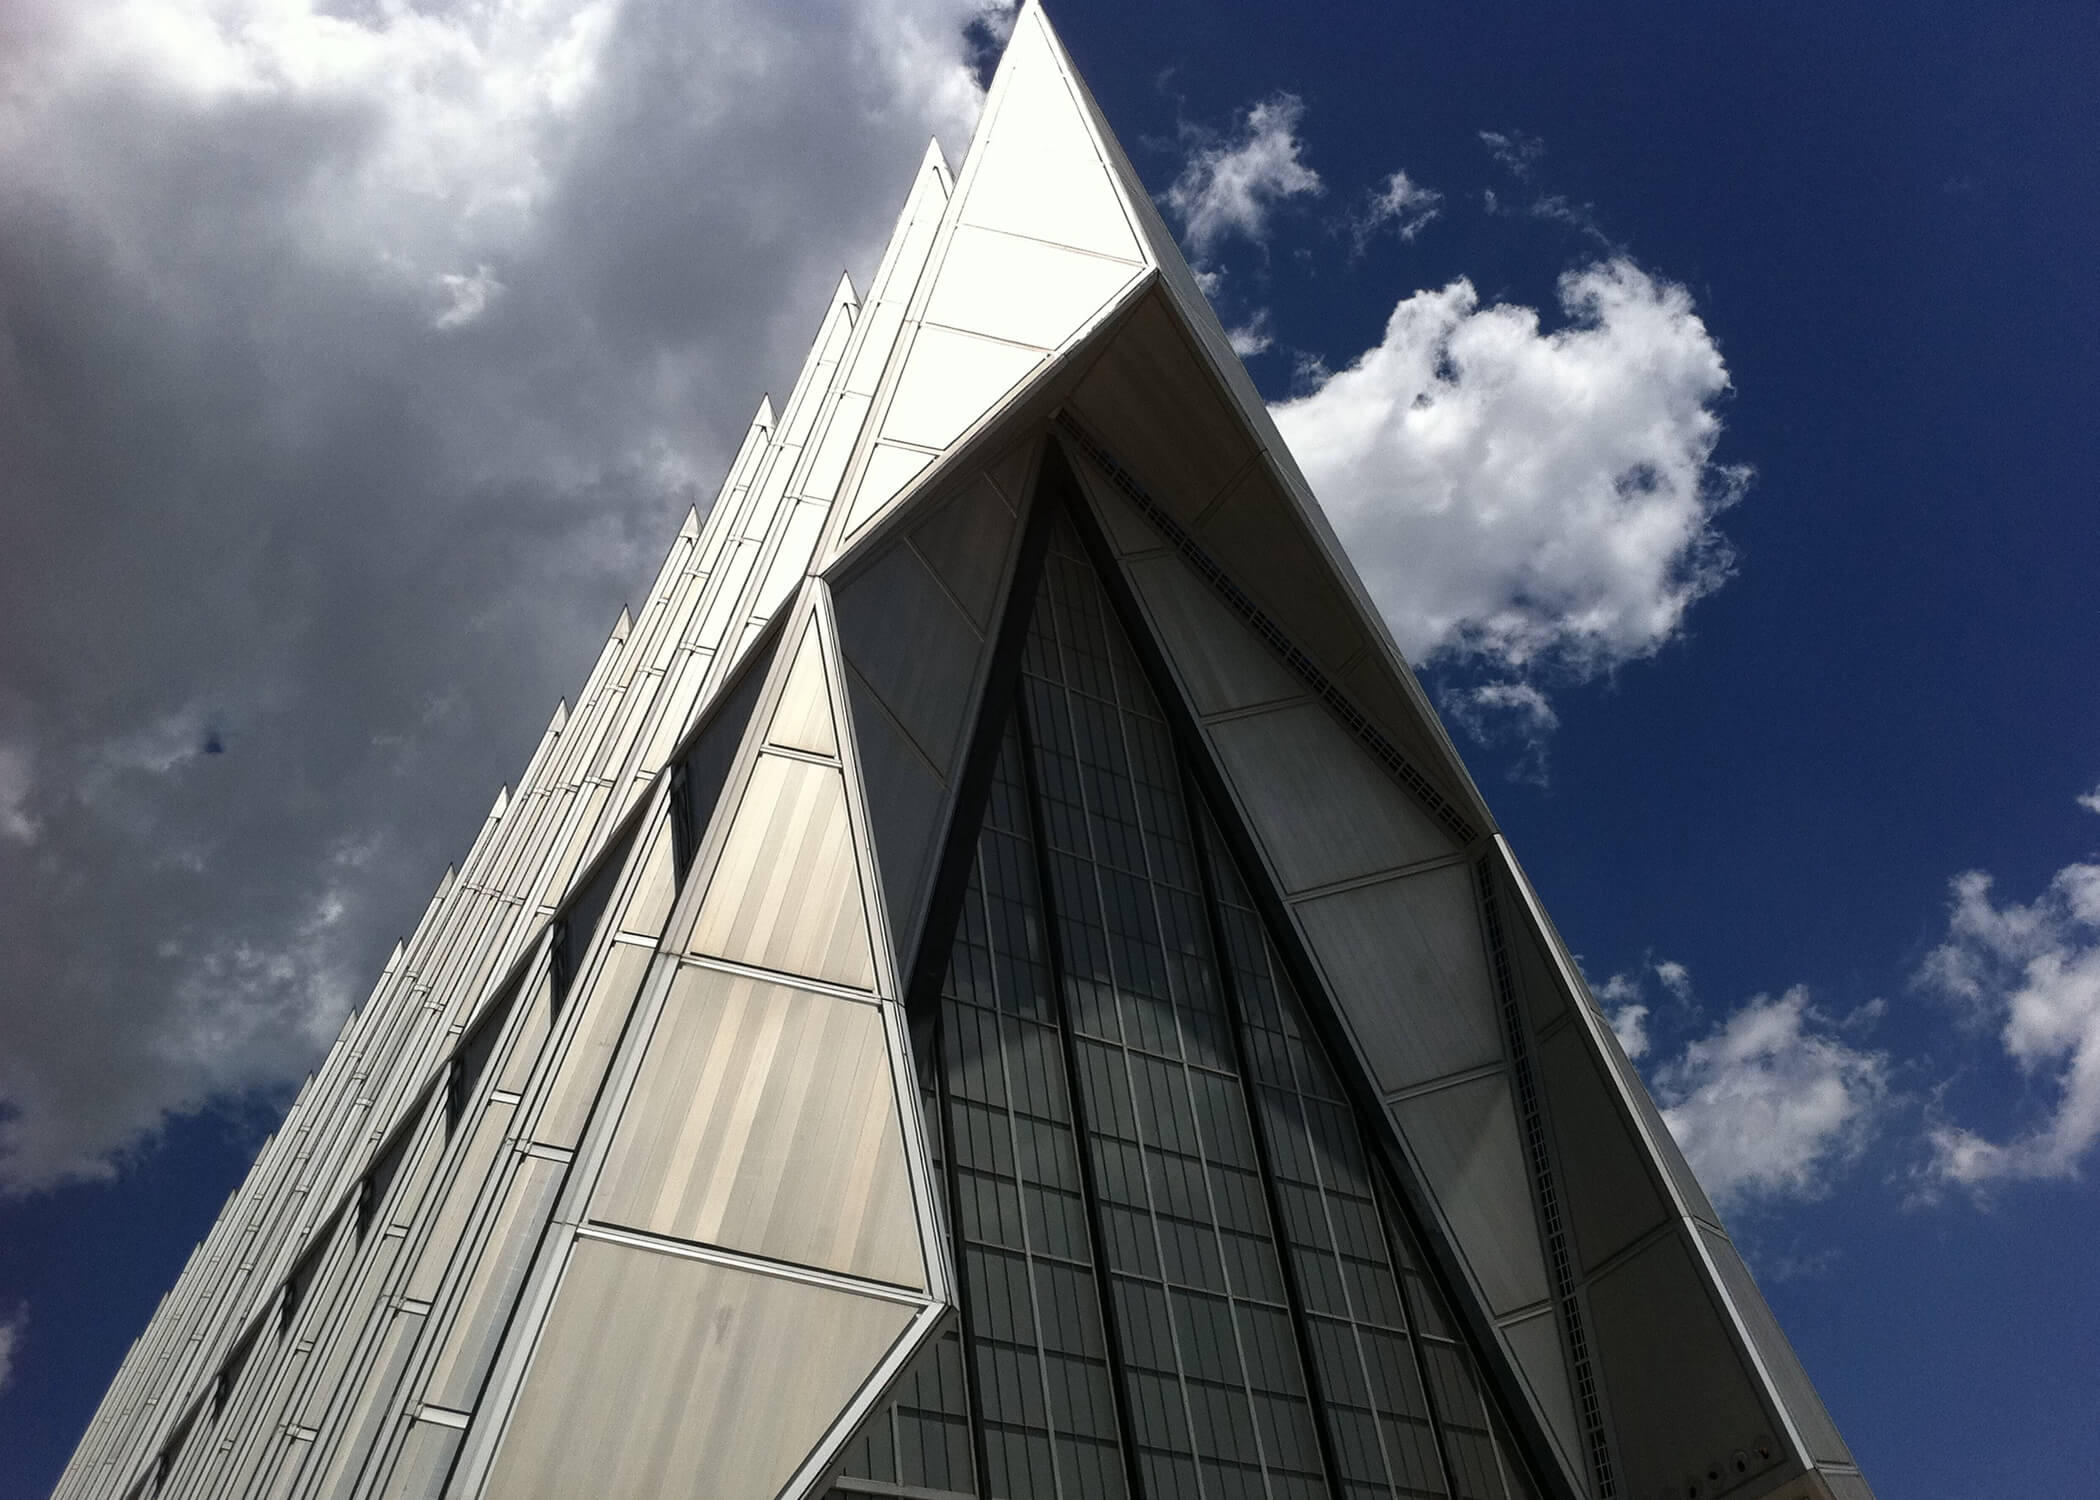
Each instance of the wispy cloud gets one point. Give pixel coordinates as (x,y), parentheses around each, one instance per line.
(1230,185)
(1401,206)
(12,1327)
(1772,1104)
(2031,973)
(1518,153)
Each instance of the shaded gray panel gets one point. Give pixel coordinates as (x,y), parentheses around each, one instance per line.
(1222,663)
(658,1375)
(1403,959)
(965,541)
(479,1316)
(1538,978)
(904,806)
(1127,531)
(1256,533)
(425,1459)
(714,749)
(1611,1195)
(1818,1432)
(1847,1486)
(1680,1397)
(1321,807)
(764,1119)
(1535,1344)
(913,645)
(802,718)
(1466,1139)
(1666,1147)
(786,894)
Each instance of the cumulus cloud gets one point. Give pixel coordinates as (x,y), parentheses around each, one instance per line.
(2090,801)
(2031,972)
(1229,186)
(1402,205)
(1522,500)
(1772,1103)
(355,363)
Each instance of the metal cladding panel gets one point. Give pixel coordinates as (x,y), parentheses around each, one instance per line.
(965,541)
(1221,666)
(1256,532)
(1323,810)
(786,894)
(1405,963)
(1534,1343)
(1022,290)
(1545,996)
(764,1120)
(1611,1194)
(905,796)
(914,645)
(648,906)
(802,720)
(478,1317)
(1036,170)
(1776,1352)
(1667,1151)
(425,1459)
(461,1191)
(1680,1397)
(1467,1142)
(889,469)
(951,379)
(661,1375)
(605,1005)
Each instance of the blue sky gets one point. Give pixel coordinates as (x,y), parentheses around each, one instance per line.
(353,369)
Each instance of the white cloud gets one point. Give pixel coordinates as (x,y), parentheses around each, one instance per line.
(1229,187)
(465,298)
(1676,978)
(2090,801)
(1517,152)
(1507,711)
(1622,1002)
(11,1330)
(1401,203)
(1521,499)
(2033,972)
(1771,1104)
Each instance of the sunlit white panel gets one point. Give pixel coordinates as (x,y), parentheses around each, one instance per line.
(787,894)
(888,470)
(802,720)
(1038,172)
(764,1119)
(660,1375)
(588,1051)
(950,380)
(482,1310)
(649,907)
(1022,289)
(791,561)
(881,322)
(1403,959)
(1466,1139)
(828,465)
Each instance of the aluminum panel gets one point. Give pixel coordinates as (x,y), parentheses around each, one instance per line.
(1466,1139)
(1022,290)
(888,470)
(965,541)
(1035,169)
(1612,1199)
(1776,1350)
(1221,664)
(479,1315)
(1534,1343)
(659,1375)
(764,1120)
(913,645)
(1404,961)
(1322,808)
(951,379)
(802,719)
(904,796)
(1680,1396)
(648,905)
(602,1016)
(786,894)
(1256,533)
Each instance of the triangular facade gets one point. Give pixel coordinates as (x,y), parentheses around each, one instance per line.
(1000,986)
